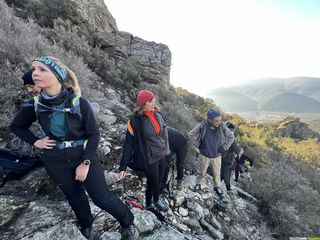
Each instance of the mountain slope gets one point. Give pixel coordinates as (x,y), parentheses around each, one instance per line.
(299,94)
(231,100)
(291,102)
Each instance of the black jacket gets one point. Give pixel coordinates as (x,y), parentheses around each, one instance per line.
(176,140)
(135,148)
(229,156)
(243,158)
(77,127)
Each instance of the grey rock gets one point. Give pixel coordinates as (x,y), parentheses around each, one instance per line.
(205,237)
(240,232)
(10,207)
(57,232)
(104,150)
(111,236)
(216,233)
(245,195)
(112,94)
(36,182)
(182,227)
(111,177)
(106,119)
(190,181)
(41,216)
(214,222)
(183,212)
(166,233)
(108,112)
(192,223)
(145,221)
(179,198)
(196,208)
(223,206)
(209,202)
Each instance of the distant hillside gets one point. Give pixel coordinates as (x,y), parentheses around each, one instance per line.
(231,100)
(299,94)
(315,125)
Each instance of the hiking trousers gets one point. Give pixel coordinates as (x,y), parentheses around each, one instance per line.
(215,166)
(238,169)
(154,176)
(226,175)
(180,157)
(96,186)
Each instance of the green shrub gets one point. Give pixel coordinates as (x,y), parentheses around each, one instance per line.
(287,199)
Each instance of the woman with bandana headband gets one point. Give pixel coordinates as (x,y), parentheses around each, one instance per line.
(69,148)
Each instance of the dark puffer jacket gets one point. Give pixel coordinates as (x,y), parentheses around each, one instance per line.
(137,152)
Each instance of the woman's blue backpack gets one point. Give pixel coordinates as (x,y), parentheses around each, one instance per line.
(14,164)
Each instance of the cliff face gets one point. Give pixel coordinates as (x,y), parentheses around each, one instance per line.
(150,59)
(91,12)
(96,13)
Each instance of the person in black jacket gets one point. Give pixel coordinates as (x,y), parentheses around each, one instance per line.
(228,158)
(146,146)
(69,148)
(238,165)
(178,146)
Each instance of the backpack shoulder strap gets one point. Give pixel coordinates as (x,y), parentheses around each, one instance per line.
(202,126)
(75,105)
(36,102)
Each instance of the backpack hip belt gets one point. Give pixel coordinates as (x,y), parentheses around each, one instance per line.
(67,144)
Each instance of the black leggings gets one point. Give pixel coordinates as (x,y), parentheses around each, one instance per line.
(225,175)
(154,178)
(95,185)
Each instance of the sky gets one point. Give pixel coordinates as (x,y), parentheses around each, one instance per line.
(220,43)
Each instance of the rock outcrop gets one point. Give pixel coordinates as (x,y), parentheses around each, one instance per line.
(88,12)
(96,13)
(152,59)
(293,128)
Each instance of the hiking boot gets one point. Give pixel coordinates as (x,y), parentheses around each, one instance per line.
(218,192)
(130,233)
(179,184)
(232,192)
(86,232)
(161,205)
(150,206)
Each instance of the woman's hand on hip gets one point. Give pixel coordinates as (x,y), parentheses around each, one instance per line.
(122,174)
(45,143)
(82,172)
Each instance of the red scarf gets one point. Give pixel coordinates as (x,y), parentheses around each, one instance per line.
(154,121)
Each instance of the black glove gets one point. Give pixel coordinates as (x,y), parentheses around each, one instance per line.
(221,150)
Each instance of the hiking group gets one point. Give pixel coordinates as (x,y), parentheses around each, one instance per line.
(72,136)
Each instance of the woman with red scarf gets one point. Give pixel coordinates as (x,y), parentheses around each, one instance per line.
(146,146)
